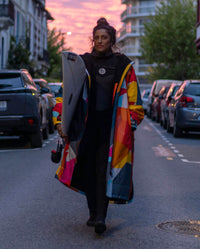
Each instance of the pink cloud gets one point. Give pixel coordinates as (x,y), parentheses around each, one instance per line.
(79,17)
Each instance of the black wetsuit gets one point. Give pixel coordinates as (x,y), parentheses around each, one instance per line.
(97,135)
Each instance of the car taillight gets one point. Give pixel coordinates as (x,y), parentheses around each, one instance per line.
(167,102)
(185,100)
(30,121)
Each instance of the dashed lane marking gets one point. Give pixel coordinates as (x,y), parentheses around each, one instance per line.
(171,145)
(32,149)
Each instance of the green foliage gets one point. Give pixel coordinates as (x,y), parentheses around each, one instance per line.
(18,55)
(56,44)
(169,41)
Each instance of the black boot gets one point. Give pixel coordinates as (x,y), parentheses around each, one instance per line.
(100,226)
(91,220)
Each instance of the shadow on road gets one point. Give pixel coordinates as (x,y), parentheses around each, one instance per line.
(14,143)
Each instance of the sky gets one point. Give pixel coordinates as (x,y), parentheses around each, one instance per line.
(76,18)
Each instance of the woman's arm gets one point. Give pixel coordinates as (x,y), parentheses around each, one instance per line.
(134,99)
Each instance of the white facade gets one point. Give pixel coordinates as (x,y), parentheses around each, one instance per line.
(25,18)
(198,28)
(129,37)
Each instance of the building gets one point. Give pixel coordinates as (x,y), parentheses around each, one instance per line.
(198,28)
(129,37)
(26,20)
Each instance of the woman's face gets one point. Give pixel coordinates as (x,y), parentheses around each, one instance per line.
(102,41)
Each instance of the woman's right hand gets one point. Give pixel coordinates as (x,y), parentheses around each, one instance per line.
(65,137)
(58,127)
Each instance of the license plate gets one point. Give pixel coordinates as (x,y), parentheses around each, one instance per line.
(3,106)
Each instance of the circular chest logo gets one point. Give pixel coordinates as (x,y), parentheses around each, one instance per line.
(102,71)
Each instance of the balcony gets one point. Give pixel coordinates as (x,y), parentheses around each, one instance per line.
(6,15)
(144,68)
(131,12)
(45,57)
(130,31)
(131,50)
(41,2)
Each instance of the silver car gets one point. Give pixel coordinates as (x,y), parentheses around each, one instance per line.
(166,101)
(184,109)
(144,96)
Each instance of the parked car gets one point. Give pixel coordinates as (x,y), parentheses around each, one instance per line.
(144,97)
(156,105)
(48,95)
(155,89)
(21,107)
(165,102)
(56,88)
(184,109)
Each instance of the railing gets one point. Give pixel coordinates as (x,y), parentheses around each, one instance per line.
(132,30)
(7,10)
(42,2)
(130,49)
(144,67)
(138,11)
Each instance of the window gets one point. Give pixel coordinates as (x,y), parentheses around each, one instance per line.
(10,80)
(198,11)
(2,52)
(193,89)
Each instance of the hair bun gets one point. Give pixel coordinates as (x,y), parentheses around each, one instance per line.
(103,22)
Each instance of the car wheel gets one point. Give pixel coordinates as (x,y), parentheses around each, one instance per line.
(177,132)
(152,116)
(169,128)
(165,124)
(51,124)
(36,139)
(161,122)
(45,132)
(157,118)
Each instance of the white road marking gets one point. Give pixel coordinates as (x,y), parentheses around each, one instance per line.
(22,150)
(170,145)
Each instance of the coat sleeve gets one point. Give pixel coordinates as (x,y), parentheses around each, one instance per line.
(134,99)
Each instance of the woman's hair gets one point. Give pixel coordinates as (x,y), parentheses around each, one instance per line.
(103,24)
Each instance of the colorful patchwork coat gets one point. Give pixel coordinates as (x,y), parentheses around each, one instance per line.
(127,113)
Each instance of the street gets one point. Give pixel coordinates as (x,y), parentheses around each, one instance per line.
(38,212)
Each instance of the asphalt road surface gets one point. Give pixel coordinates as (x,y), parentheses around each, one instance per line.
(38,212)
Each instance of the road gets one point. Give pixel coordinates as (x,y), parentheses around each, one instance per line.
(37,212)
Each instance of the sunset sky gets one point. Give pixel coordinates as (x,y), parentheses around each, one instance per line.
(80,16)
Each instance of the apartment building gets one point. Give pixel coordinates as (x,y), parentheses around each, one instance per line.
(26,20)
(129,37)
(198,28)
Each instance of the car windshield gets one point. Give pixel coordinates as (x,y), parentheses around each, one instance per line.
(175,90)
(193,89)
(57,89)
(10,80)
(145,94)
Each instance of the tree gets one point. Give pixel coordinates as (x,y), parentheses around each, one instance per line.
(169,41)
(18,55)
(56,44)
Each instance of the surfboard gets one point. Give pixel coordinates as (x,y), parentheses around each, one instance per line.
(74,75)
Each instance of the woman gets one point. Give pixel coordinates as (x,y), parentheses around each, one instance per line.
(98,157)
